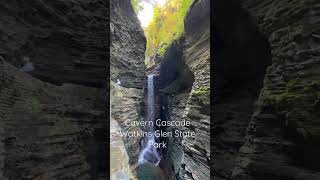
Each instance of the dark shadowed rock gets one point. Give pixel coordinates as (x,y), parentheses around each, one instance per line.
(50,132)
(65,40)
(271,133)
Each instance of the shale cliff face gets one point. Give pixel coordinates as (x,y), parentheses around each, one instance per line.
(49,131)
(266,106)
(285,123)
(183,82)
(127,71)
(65,40)
(196,54)
(128,45)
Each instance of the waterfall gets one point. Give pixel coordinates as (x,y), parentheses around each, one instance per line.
(149,153)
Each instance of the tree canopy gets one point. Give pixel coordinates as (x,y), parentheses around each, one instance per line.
(166,26)
(136,6)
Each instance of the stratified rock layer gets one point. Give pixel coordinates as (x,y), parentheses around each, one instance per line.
(241,55)
(128,45)
(271,133)
(196,55)
(65,40)
(183,83)
(282,140)
(127,72)
(50,132)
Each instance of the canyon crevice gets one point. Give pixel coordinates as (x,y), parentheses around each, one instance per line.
(264,113)
(266,90)
(183,93)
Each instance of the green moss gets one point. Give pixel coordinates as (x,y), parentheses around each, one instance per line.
(34,104)
(166,26)
(295,93)
(202,90)
(202,96)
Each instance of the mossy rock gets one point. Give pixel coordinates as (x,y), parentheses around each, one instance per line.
(202,94)
(297,93)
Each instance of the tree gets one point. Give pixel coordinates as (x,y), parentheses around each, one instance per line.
(166,26)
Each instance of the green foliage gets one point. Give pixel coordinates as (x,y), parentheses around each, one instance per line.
(166,26)
(296,93)
(136,6)
(202,91)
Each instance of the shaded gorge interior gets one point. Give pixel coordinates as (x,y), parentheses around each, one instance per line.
(241,56)
(259,115)
(263,120)
(181,80)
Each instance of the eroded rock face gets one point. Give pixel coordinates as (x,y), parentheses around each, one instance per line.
(127,72)
(65,40)
(128,45)
(285,123)
(269,133)
(50,132)
(183,82)
(241,56)
(196,55)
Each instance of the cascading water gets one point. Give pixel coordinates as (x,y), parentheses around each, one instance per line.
(149,153)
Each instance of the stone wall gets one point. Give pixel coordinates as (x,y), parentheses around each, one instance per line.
(268,133)
(127,71)
(50,132)
(196,55)
(127,46)
(282,140)
(65,40)
(183,83)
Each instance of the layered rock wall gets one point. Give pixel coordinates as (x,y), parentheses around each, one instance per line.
(241,55)
(65,40)
(282,139)
(127,72)
(50,132)
(184,90)
(128,45)
(268,133)
(196,54)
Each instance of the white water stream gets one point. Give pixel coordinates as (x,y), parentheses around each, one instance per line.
(149,153)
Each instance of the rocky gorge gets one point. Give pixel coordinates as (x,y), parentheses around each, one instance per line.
(255,116)
(52,116)
(266,93)
(264,101)
(182,88)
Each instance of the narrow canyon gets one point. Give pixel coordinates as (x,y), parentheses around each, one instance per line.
(255,116)
(181,81)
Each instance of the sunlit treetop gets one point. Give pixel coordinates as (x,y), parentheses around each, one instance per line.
(144,9)
(162,25)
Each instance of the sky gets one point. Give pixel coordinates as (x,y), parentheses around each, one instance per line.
(145,16)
